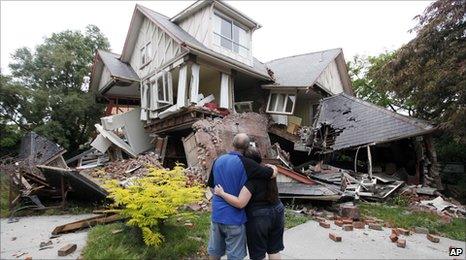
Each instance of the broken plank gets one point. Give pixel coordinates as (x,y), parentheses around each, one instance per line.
(85,223)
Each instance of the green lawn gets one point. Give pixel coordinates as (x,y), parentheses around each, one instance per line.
(180,241)
(293,219)
(400,216)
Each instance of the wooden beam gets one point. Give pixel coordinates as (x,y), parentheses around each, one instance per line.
(85,223)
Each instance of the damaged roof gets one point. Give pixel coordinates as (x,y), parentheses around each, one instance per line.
(301,70)
(365,123)
(116,67)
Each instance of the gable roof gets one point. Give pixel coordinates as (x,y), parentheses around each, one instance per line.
(116,67)
(301,70)
(186,40)
(222,6)
(363,123)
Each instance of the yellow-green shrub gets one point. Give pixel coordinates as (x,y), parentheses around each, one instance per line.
(153,199)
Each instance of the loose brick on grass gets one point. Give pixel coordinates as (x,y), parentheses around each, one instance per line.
(359,225)
(324,224)
(348,227)
(432,238)
(375,226)
(403,231)
(401,243)
(334,237)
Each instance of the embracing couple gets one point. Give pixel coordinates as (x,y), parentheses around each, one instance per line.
(245,206)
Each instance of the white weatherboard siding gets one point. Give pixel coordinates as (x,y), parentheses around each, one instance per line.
(330,79)
(104,78)
(163,47)
(199,25)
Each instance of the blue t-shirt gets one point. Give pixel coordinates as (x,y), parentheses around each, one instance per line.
(229,172)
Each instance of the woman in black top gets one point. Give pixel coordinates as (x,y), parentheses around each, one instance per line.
(265,213)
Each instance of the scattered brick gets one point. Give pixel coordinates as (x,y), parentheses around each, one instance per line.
(348,227)
(334,237)
(421,230)
(359,225)
(393,237)
(395,231)
(347,221)
(403,231)
(432,238)
(66,250)
(324,224)
(350,211)
(339,223)
(375,226)
(320,219)
(401,243)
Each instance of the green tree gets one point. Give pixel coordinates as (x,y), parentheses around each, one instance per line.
(429,71)
(43,93)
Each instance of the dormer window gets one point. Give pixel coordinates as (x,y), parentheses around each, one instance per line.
(146,54)
(231,35)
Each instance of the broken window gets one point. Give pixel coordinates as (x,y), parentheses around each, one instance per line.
(231,35)
(146,54)
(281,103)
(162,94)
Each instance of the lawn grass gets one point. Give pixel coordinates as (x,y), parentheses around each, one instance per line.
(4,190)
(180,241)
(293,219)
(400,216)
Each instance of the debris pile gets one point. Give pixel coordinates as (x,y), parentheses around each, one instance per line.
(125,168)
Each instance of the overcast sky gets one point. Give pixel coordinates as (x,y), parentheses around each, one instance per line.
(289,28)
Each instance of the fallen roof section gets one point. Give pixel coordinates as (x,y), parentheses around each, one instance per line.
(363,123)
(116,67)
(37,149)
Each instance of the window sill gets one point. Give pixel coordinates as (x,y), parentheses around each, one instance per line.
(280,113)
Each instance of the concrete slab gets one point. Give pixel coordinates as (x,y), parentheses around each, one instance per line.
(26,235)
(310,241)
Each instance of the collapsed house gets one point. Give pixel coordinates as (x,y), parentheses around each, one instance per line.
(184,86)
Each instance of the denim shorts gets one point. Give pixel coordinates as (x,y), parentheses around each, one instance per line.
(229,239)
(264,230)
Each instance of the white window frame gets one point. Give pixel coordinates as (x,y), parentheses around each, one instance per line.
(233,23)
(164,82)
(146,54)
(286,94)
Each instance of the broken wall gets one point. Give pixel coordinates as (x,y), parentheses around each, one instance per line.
(213,137)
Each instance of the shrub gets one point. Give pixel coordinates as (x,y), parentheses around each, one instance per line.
(152,200)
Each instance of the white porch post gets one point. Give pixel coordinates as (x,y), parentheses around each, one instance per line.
(194,84)
(181,100)
(225,91)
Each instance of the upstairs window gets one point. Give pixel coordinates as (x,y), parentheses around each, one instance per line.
(281,103)
(231,36)
(146,54)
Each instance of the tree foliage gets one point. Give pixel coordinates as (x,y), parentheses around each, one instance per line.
(151,200)
(43,93)
(429,72)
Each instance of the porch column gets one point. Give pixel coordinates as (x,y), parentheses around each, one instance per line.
(194,84)
(181,100)
(225,91)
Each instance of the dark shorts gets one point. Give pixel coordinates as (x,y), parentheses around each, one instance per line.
(264,230)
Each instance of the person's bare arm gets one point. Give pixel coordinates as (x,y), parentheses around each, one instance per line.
(238,202)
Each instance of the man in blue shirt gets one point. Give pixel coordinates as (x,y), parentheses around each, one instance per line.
(231,171)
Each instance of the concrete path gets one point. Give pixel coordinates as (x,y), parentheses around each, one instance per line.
(26,235)
(310,241)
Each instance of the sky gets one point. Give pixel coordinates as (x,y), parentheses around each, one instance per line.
(288,28)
